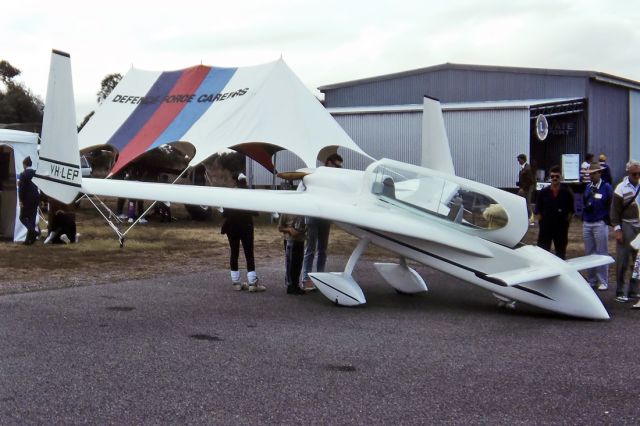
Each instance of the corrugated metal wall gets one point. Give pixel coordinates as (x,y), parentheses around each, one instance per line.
(396,136)
(383,135)
(608,125)
(285,161)
(457,85)
(485,143)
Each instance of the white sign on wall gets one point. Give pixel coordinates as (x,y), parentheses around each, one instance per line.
(571,166)
(542,127)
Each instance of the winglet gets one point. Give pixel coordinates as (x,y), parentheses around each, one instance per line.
(523,275)
(58,174)
(591,261)
(533,273)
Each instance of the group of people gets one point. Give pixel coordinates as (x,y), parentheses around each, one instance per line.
(602,207)
(135,209)
(61,223)
(305,239)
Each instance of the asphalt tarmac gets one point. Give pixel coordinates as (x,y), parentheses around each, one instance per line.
(186,349)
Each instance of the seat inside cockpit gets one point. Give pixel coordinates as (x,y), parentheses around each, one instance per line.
(385,188)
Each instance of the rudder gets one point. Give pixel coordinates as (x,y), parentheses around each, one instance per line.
(58,174)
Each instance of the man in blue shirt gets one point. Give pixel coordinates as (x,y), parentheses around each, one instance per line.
(596,200)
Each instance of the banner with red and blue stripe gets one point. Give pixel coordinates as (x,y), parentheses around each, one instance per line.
(173,104)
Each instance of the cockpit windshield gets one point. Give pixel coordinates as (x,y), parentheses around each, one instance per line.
(422,193)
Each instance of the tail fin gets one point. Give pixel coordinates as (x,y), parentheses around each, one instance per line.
(58,174)
(436,153)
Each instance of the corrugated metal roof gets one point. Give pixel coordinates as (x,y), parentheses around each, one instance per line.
(600,76)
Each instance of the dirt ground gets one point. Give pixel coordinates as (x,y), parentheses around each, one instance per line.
(159,248)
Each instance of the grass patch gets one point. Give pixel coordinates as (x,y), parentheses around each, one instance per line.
(157,249)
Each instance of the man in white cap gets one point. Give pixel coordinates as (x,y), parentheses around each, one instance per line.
(596,201)
(606,170)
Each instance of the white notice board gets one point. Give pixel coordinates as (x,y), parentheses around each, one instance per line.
(571,166)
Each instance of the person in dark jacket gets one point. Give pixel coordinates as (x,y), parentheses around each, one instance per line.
(554,210)
(29,198)
(294,231)
(526,183)
(238,226)
(62,223)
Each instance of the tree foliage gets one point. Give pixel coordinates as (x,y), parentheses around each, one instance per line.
(17,103)
(107,85)
(7,71)
(85,120)
(235,162)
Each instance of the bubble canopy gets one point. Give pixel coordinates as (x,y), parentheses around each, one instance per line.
(422,191)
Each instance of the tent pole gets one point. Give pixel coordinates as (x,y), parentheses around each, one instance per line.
(104,206)
(111,214)
(273,175)
(42,218)
(150,207)
(183,172)
(114,227)
(207,177)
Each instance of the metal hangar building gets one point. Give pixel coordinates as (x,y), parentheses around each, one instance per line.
(490,115)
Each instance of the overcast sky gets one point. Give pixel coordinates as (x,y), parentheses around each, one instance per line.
(324,42)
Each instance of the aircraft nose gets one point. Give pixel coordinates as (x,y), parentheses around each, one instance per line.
(578,297)
(595,309)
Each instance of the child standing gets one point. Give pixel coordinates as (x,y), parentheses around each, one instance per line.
(294,231)
(238,226)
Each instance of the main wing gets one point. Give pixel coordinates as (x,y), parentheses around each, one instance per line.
(339,200)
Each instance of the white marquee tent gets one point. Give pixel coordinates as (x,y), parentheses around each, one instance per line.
(257,110)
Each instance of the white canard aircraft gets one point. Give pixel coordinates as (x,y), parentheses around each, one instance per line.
(464,228)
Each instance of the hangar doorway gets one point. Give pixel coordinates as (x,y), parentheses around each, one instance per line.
(8,193)
(567,125)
